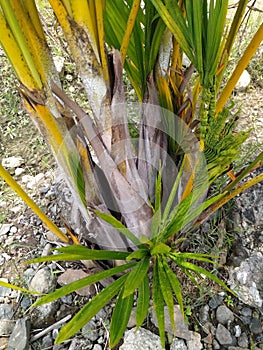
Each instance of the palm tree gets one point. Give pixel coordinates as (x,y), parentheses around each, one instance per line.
(147,183)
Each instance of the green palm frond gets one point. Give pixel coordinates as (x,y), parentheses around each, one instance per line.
(222,142)
(146,27)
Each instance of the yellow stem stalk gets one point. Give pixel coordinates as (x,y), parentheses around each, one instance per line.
(62,15)
(93,16)
(242,4)
(81,13)
(41,61)
(47,124)
(242,64)
(15,55)
(129,29)
(101,37)
(67,4)
(228,196)
(23,195)
(176,63)
(51,125)
(31,9)
(13,26)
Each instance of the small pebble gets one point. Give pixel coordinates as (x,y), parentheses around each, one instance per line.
(223,335)
(97,347)
(224,314)
(46,250)
(243,340)
(9,241)
(13,229)
(132,320)
(204,314)
(69,77)
(6,256)
(16,209)
(12,162)
(6,311)
(215,301)
(3,290)
(44,190)
(26,302)
(216,345)
(47,341)
(27,178)
(67,299)
(237,331)
(245,320)
(4,229)
(53,209)
(6,327)
(255,326)
(19,171)
(43,281)
(101,340)
(90,331)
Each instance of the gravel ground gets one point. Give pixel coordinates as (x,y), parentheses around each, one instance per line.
(218,322)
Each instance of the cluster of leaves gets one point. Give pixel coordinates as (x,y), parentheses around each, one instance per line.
(95,149)
(132,283)
(221,138)
(154,257)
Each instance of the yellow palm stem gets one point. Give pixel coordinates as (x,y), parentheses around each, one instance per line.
(192,170)
(41,61)
(91,195)
(196,92)
(101,37)
(85,58)
(176,63)
(62,15)
(82,13)
(189,186)
(72,37)
(15,55)
(242,4)
(50,123)
(228,196)
(67,4)
(165,93)
(46,122)
(242,64)
(13,24)
(31,9)
(92,9)
(23,195)
(129,28)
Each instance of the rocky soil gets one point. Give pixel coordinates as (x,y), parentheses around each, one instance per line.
(220,321)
